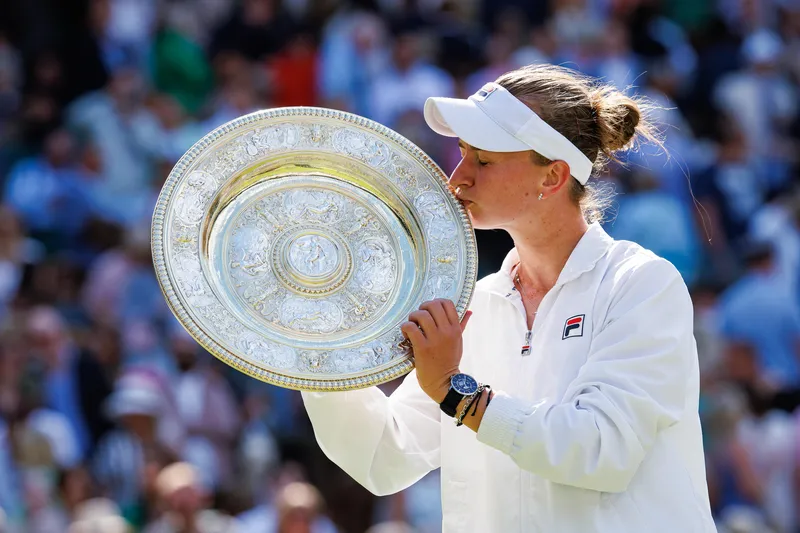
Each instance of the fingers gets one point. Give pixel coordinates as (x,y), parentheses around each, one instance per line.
(438,312)
(424,320)
(450,309)
(465,320)
(412,332)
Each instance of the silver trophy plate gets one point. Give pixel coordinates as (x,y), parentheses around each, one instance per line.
(292,243)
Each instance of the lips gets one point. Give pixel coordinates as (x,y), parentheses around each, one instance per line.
(457,192)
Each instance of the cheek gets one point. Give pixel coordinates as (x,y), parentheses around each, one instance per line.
(508,185)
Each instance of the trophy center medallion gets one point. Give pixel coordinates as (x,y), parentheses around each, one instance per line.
(312,261)
(313,256)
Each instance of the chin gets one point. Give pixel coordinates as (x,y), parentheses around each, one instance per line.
(483,222)
(477,223)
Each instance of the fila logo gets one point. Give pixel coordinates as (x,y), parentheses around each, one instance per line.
(484,92)
(573,327)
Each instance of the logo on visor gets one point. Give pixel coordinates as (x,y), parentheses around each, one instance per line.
(484,92)
(573,327)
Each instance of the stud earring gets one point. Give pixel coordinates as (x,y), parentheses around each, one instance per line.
(540,196)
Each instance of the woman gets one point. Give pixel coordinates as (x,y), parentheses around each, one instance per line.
(591,422)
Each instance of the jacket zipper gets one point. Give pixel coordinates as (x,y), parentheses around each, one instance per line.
(526,347)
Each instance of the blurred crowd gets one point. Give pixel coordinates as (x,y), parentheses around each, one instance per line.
(113,419)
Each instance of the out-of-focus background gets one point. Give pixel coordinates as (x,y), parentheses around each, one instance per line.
(112,417)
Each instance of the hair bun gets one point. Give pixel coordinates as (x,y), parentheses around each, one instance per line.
(617,117)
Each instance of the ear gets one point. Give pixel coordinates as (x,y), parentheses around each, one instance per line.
(557,177)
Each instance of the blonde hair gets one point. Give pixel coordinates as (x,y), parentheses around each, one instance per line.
(597,118)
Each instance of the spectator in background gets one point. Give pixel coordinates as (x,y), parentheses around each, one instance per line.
(98,515)
(352,52)
(49,423)
(184,501)
(126,137)
(256,29)
(658,221)
(763,103)
(291,504)
(75,489)
(732,480)
(208,410)
(129,27)
(408,80)
(499,52)
(50,194)
(257,448)
(17,251)
(778,222)
(293,72)
(299,505)
(181,69)
(616,62)
(766,435)
(75,383)
(138,406)
(729,192)
(107,277)
(758,309)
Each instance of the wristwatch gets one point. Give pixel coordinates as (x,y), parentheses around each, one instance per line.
(461,386)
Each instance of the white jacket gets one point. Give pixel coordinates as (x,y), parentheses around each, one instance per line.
(596,430)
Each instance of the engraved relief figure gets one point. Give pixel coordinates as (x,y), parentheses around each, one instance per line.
(314,361)
(362,147)
(249,251)
(275,138)
(190,280)
(314,204)
(403,174)
(376,266)
(315,134)
(361,219)
(191,202)
(279,356)
(355,360)
(435,215)
(265,352)
(310,316)
(313,255)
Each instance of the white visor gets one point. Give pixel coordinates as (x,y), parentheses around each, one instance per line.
(494,120)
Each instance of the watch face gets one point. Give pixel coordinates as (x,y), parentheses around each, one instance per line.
(464,384)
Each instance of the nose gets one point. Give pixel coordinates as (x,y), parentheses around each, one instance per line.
(462,176)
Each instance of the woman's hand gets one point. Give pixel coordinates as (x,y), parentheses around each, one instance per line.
(435,334)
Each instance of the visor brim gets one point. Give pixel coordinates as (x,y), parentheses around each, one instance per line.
(454,117)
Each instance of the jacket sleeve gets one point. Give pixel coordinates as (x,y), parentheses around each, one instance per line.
(385,443)
(633,385)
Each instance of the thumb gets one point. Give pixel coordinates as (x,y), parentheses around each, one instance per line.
(465,320)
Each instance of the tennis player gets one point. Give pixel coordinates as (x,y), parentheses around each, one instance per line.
(566,400)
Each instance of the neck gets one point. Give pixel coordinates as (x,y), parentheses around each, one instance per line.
(545,247)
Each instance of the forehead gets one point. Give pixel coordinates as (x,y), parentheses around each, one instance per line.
(498,155)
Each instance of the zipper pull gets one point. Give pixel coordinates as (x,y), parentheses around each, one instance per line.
(526,348)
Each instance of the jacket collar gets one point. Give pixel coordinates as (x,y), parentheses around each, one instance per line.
(590,249)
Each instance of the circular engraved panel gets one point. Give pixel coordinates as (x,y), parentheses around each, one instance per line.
(292,243)
(313,256)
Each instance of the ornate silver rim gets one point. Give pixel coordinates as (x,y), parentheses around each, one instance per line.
(400,365)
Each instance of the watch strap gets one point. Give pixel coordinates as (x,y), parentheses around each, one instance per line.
(450,402)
